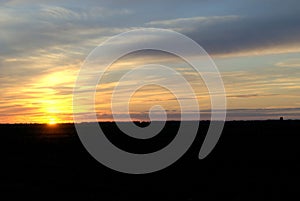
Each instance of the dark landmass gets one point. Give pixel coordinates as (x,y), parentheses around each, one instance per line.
(254,160)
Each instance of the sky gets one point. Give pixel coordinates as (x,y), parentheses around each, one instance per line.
(254,43)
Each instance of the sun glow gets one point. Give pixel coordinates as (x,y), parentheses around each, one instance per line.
(52,122)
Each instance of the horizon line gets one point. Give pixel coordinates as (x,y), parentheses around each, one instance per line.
(241,120)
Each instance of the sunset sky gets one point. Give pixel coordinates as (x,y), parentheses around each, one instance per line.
(254,43)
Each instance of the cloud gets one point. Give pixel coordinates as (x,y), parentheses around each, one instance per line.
(255,31)
(232,114)
(27,29)
(250,95)
(188,22)
(247,35)
(88,15)
(263,113)
(59,13)
(293,63)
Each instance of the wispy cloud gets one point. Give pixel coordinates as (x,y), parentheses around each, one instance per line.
(293,63)
(188,22)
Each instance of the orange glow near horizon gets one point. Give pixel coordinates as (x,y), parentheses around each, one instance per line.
(52,122)
(47,98)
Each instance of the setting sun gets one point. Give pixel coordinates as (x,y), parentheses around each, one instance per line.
(52,121)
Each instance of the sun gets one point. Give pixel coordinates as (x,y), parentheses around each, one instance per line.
(52,122)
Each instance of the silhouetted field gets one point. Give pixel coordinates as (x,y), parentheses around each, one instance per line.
(254,160)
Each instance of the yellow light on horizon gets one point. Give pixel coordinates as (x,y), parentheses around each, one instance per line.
(52,121)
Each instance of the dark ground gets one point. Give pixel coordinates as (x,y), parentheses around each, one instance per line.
(254,160)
